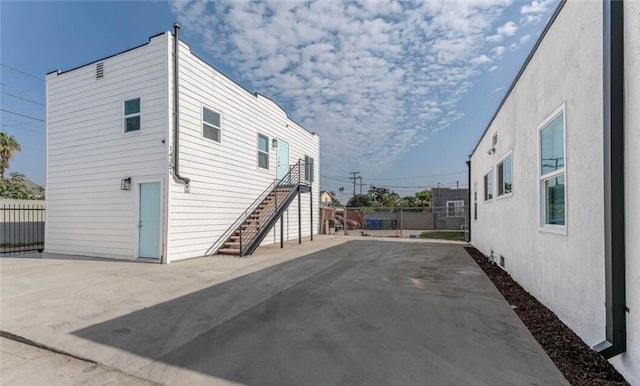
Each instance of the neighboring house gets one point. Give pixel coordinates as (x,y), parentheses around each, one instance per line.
(326,198)
(126,180)
(450,208)
(455,200)
(556,177)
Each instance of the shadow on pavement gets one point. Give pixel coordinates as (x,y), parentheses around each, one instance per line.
(358,313)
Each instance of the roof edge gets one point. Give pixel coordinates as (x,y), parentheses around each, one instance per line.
(58,72)
(524,67)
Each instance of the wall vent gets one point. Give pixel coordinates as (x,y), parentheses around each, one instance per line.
(502,261)
(494,139)
(100,70)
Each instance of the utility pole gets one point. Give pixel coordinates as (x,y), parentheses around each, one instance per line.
(354,178)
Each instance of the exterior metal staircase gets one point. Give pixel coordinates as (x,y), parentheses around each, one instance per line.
(248,231)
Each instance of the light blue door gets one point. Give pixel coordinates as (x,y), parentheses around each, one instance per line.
(149,221)
(283,159)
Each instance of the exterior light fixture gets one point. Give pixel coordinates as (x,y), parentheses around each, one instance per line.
(125,184)
(274,143)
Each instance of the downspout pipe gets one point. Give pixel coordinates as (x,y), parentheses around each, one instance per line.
(614,232)
(470,202)
(176,110)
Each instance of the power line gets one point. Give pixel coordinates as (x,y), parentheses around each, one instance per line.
(22,115)
(27,92)
(425,176)
(396,178)
(354,178)
(22,72)
(19,97)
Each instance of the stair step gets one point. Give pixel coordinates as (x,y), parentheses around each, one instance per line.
(229,251)
(231,244)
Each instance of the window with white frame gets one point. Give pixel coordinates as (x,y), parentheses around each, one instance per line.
(505,185)
(210,124)
(488,185)
(551,140)
(455,208)
(475,200)
(132,119)
(308,168)
(263,151)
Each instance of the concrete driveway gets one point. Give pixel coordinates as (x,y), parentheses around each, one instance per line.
(362,312)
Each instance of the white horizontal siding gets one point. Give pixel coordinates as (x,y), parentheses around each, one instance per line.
(88,153)
(225,178)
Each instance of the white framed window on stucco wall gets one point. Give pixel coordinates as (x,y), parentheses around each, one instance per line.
(488,186)
(475,201)
(455,208)
(552,172)
(504,176)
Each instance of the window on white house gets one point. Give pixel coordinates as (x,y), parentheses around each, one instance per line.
(132,115)
(475,200)
(263,151)
(210,124)
(309,167)
(455,208)
(504,176)
(552,170)
(488,185)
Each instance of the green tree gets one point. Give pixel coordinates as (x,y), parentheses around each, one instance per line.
(408,202)
(359,201)
(15,187)
(423,198)
(384,197)
(334,200)
(8,146)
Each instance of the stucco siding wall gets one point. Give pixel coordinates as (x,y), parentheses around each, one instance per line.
(629,363)
(225,177)
(88,152)
(566,69)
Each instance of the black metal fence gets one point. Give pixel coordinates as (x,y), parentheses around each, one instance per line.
(22,227)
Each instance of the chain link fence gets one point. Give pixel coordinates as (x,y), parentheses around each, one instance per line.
(434,222)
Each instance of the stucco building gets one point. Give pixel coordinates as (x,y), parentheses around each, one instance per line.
(555,178)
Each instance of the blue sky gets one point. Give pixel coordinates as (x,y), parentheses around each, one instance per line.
(399,91)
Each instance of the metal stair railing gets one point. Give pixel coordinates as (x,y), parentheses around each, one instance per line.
(240,220)
(291,181)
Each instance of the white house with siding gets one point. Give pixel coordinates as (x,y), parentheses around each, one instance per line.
(121,184)
(555,177)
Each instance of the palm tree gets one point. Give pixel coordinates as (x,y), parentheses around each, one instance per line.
(341,190)
(8,146)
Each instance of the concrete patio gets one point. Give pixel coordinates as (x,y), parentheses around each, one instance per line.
(338,310)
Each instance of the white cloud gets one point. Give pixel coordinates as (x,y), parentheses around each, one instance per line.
(362,75)
(498,51)
(493,68)
(481,59)
(525,39)
(536,7)
(508,29)
(497,38)
(495,90)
